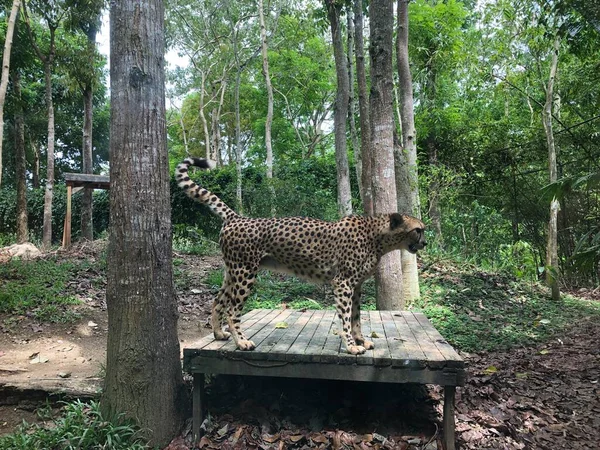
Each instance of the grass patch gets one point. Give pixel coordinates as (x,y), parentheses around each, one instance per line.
(272,290)
(36,288)
(476,310)
(191,241)
(81,426)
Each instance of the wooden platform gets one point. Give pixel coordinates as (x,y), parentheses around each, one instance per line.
(304,344)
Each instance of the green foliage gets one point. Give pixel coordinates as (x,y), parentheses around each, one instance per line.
(82,426)
(190,240)
(476,310)
(37,288)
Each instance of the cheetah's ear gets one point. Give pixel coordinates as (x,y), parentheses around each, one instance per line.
(396,220)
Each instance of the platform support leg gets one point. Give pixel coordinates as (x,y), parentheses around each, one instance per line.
(198,405)
(66,241)
(448,419)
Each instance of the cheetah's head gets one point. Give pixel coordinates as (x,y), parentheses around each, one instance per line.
(408,232)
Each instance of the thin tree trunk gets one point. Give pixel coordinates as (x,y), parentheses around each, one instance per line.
(12,20)
(87,227)
(388,276)
(49,193)
(143,370)
(35,175)
(238,142)
(203,117)
(48,61)
(363,106)
(269,120)
(352,104)
(21,171)
(552,264)
(341,110)
(407,176)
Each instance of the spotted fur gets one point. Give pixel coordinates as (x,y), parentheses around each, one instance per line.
(343,253)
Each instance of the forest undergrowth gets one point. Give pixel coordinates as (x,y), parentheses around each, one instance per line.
(532,367)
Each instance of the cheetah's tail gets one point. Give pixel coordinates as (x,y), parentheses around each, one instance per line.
(198,193)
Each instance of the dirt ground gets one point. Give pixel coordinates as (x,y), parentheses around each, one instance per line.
(547,397)
(68,360)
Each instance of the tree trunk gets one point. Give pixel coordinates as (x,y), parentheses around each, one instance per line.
(21,163)
(363,106)
(35,175)
(49,193)
(238,143)
(388,276)
(87,227)
(12,20)
(352,104)
(407,176)
(269,120)
(143,371)
(552,265)
(341,110)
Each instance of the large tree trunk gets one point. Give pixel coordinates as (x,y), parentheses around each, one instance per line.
(143,371)
(388,276)
(341,110)
(87,227)
(21,172)
(35,171)
(407,177)
(269,120)
(366,155)
(12,20)
(552,265)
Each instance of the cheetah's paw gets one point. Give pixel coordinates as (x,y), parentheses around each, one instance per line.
(245,344)
(222,335)
(356,349)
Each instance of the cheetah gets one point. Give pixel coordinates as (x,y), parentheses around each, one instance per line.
(343,253)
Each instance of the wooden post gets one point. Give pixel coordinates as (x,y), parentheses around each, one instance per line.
(66,242)
(448,419)
(198,404)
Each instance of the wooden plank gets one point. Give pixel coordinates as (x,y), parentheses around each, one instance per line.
(273,338)
(260,338)
(453,359)
(315,346)
(247,319)
(288,369)
(411,345)
(448,418)
(250,328)
(381,353)
(333,343)
(297,350)
(398,351)
(87,180)
(434,358)
(279,351)
(198,405)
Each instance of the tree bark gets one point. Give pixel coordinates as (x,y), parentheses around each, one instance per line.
(269,119)
(363,106)
(341,110)
(143,371)
(388,276)
(12,20)
(48,61)
(352,104)
(21,163)
(407,176)
(87,225)
(552,264)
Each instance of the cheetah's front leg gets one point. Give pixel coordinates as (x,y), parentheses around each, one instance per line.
(343,303)
(356,328)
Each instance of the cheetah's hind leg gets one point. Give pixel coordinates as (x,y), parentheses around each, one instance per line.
(356,328)
(219,309)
